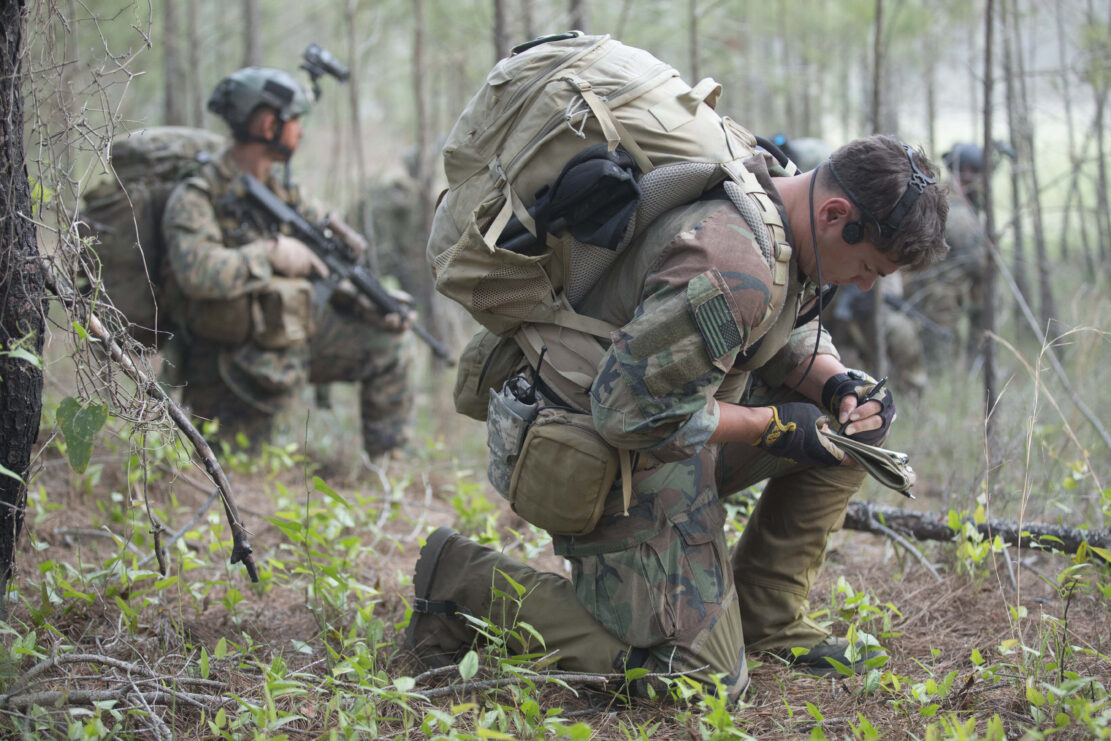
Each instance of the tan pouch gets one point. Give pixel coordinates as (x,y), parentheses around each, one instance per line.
(226,321)
(484,365)
(281,314)
(564,473)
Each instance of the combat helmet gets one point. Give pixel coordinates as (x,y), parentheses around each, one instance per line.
(237,96)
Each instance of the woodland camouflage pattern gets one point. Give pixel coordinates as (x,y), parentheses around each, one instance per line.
(687,300)
(219,261)
(954,287)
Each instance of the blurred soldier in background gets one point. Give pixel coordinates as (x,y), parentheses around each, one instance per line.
(954,288)
(253,326)
(850,321)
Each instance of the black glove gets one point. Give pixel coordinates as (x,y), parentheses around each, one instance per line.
(794,434)
(859,384)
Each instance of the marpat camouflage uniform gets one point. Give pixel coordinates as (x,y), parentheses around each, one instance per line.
(659,584)
(953,288)
(218,261)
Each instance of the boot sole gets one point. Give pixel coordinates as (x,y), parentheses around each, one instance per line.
(423,573)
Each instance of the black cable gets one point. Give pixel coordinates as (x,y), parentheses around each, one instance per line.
(818,263)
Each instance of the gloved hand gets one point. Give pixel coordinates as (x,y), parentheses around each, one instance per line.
(795,433)
(290,257)
(856,383)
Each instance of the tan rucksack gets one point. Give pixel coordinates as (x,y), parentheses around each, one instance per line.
(542,110)
(124,214)
(538,109)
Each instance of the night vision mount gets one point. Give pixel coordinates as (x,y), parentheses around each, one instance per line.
(318,61)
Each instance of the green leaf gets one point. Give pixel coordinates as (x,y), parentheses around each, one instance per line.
(79,425)
(1036,698)
(321,486)
(5,471)
(977,659)
(81,331)
(221,648)
(25,355)
(636,673)
(204,663)
(815,713)
(1105,553)
(468,667)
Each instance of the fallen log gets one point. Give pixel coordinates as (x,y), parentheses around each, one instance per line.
(872,518)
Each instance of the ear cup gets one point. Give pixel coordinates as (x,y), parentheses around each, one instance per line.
(853,232)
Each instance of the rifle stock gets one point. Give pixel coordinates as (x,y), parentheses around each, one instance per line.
(335,255)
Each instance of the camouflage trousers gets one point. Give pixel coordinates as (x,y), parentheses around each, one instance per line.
(660,589)
(251,390)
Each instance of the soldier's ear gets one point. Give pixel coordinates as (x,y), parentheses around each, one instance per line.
(834,210)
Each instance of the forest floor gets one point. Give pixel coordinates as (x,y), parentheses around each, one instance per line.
(965,648)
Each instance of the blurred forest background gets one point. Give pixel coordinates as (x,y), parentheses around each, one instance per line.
(314,645)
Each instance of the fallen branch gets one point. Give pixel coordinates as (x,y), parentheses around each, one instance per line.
(241,547)
(871,518)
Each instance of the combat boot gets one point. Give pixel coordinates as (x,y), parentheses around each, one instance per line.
(437,635)
(456,576)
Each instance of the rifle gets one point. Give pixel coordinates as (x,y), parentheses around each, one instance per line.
(904,306)
(334,253)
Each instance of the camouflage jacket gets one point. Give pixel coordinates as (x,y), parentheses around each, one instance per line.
(218,260)
(687,300)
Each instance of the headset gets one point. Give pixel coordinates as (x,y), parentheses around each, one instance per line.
(853,232)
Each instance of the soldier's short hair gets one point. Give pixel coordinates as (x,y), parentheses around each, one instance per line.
(876,170)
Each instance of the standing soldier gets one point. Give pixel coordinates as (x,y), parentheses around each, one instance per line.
(954,288)
(254,325)
(653,583)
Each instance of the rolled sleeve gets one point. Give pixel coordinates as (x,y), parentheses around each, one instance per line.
(655,391)
(797,350)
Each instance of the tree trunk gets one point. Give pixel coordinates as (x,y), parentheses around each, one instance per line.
(879,309)
(578,15)
(175,90)
(989,227)
(529,25)
(362,178)
(21,295)
(501,31)
(1048,305)
(1018,265)
(692,39)
(252,33)
(424,171)
(1070,125)
(867,517)
(196,95)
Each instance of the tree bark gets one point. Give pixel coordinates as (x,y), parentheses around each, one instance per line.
(21,295)
(1047,303)
(501,31)
(196,95)
(175,90)
(362,177)
(252,32)
(1018,264)
(989,227)
(578,15)
(879,309)
(865,516)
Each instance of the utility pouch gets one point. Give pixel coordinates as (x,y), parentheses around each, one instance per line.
(564,473)
(225,321)
(508,416)
(484,365)
(281,314)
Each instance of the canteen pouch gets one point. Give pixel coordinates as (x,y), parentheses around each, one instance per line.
(564,473)
(225,321)
(508,415)
(281,313)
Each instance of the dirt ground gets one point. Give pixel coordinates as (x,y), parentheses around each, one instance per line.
(935,624)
